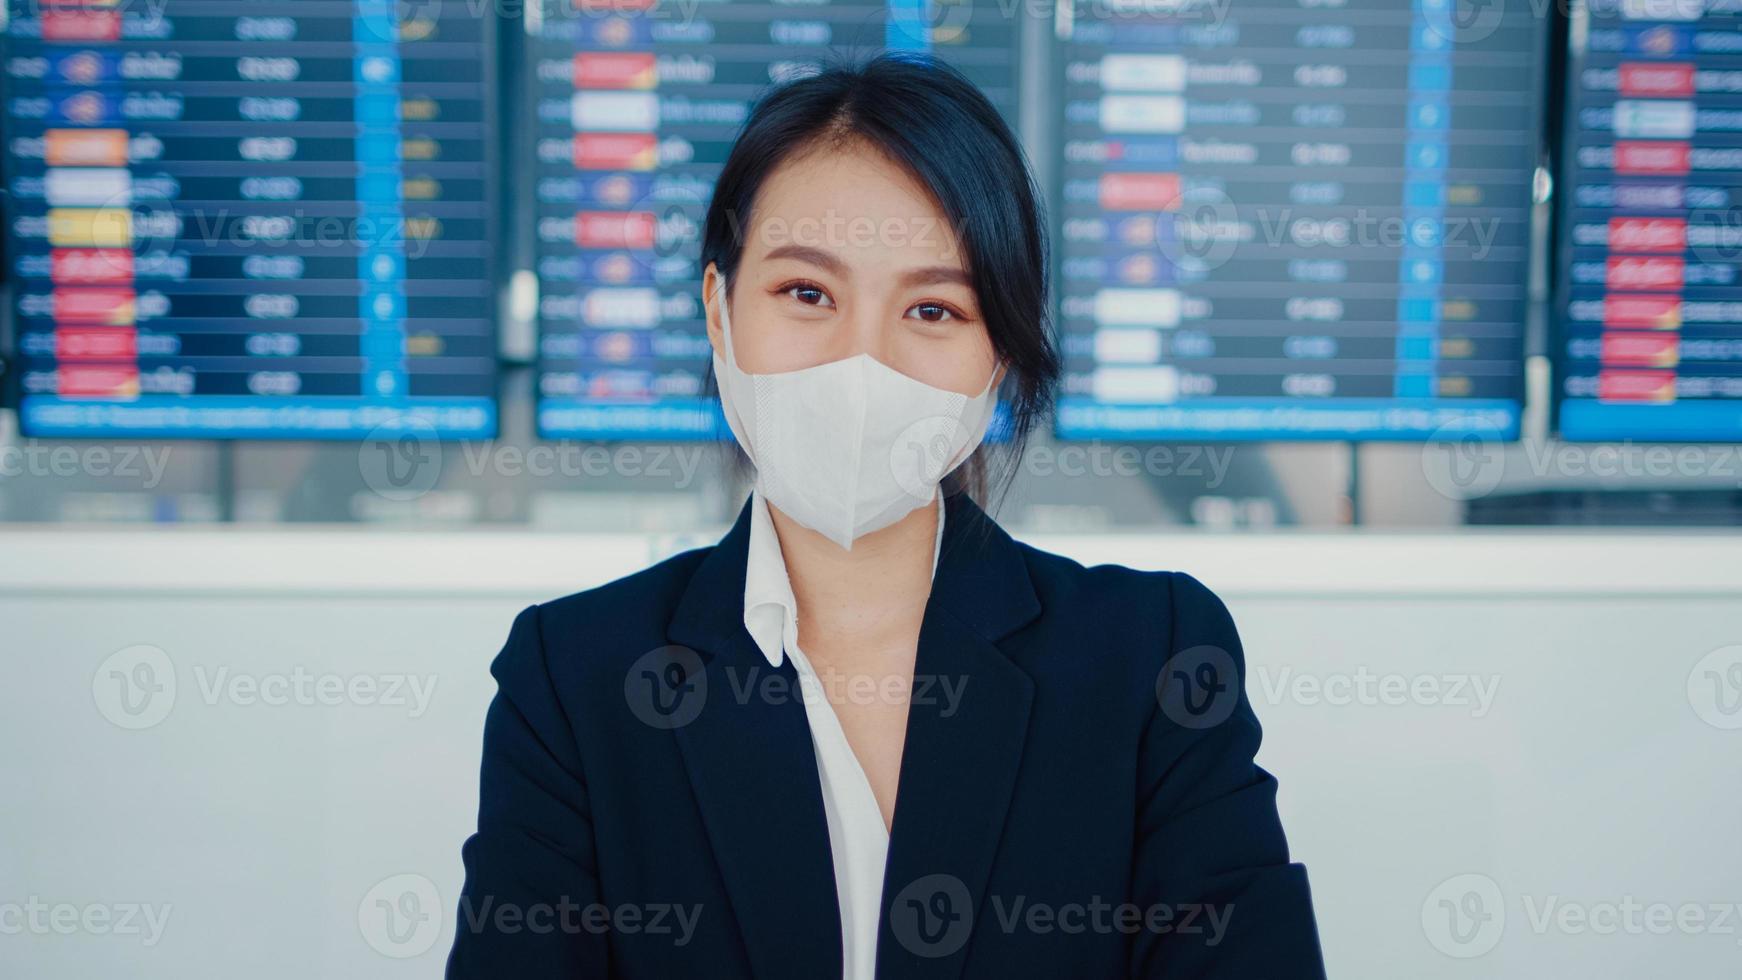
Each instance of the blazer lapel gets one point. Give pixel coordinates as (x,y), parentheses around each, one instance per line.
(965,732)
(750,761)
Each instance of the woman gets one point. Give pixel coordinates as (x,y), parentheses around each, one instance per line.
(868,733)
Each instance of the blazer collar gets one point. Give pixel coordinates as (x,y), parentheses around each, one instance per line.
(748,753)
(979,578)
(769,604)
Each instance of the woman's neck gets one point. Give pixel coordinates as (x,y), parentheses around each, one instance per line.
(873,595)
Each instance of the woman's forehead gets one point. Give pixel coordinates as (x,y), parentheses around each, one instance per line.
(854,204)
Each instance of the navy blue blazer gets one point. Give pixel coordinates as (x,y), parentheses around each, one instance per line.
(1077,795)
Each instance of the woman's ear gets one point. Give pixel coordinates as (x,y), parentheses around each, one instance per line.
(713,300)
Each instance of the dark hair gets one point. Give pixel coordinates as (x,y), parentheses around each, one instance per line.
(926,117)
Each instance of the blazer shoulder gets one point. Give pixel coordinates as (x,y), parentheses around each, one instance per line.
(1174,605)
(1062,578)
(626,616)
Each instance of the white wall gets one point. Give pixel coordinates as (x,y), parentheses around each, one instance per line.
(1605,772)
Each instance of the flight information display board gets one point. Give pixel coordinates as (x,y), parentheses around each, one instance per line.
(262,219)
(635,115)
(1649,302)
(1291,220)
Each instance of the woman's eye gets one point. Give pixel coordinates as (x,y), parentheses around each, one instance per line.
(809,295)
(934,313)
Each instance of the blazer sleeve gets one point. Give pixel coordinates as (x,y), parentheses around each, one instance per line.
(1210,855)
(531,877)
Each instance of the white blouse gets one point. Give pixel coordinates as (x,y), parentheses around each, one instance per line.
(857,839)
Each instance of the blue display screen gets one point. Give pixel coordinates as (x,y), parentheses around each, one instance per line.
(1649,305)
(1283,220)
(634,118)
(260,220)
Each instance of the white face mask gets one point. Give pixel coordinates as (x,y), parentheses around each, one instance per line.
(851,446)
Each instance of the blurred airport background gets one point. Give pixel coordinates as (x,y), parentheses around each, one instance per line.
(1399,263)
(335,332)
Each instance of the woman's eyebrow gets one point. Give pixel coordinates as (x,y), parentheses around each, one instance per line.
(933,274)
(814,256)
